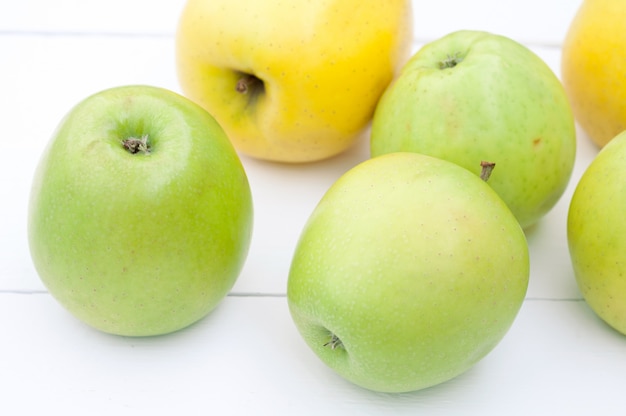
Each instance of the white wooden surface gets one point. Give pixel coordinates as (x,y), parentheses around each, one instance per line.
(246,358)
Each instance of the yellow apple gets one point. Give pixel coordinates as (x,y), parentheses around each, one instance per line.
(594,68)
(293,81)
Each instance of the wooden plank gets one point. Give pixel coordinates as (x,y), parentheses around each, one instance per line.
(247,358)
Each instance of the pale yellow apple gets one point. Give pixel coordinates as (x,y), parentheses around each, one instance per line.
(291,81)
(594,68)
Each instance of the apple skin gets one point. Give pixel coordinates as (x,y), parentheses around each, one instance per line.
(596,233)
(323,66)
(593,68)
(139,244)
(408,272)
(500,103)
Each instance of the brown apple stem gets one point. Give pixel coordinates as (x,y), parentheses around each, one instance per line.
(246,82)
(137,145)
(487,168)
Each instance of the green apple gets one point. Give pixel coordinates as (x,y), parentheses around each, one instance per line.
(596,233)
(294,81)
(474,95)
(140,213)
(408,272)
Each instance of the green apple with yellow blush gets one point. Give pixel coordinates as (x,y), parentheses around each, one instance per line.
(474,95)
(596,233)
(408,272)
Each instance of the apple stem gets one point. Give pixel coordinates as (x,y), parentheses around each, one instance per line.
(334,342)
(136,145)
(487,168)
(246,82)
(451,61)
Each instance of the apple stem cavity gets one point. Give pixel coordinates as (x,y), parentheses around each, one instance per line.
(136,145)
(334,342)
(248,83)
(451,61)
(487,168)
